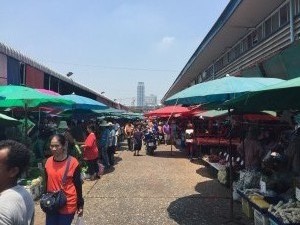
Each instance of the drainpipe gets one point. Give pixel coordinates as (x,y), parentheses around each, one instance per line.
(292,35)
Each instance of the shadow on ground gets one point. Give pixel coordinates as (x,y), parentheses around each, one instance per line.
(168,154)
(204,172)
(117,159)
(210,207)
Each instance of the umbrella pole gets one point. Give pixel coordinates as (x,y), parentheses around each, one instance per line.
(39,122)
(231,218)
(26,125)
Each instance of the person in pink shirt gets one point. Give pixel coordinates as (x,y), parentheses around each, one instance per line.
(90,152)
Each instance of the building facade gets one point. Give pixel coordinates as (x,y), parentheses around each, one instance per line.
(151,100)
(140,94)
(250,38)
(18,69)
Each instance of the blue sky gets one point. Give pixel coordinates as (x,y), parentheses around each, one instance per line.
(110,45)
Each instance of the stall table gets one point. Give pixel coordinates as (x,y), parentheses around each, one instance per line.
(217,166)
(216,141)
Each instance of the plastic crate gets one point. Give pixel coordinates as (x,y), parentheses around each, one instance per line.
(260,219)
(247,209)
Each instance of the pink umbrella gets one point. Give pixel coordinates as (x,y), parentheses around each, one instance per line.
(48,92)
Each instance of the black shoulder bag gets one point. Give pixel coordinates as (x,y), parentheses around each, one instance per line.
(51,202)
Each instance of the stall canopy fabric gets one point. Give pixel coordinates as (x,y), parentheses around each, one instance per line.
(213,113)
(281,96)
(259,116)
(8,121)
(111,111)
(84,102)
(167,111)
(220,90)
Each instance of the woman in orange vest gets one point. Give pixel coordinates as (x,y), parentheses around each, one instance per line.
(55,168)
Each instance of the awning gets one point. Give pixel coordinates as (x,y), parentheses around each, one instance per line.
(213,113)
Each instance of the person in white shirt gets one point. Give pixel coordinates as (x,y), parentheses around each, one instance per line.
(189,140)
(16,203)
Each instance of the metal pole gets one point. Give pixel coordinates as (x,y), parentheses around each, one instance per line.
(230,166)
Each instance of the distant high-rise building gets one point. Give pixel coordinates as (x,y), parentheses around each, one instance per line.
(140,94)
(151,100)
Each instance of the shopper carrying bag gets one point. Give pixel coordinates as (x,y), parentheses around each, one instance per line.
(57,167)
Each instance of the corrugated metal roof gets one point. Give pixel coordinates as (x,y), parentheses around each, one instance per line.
(232,25)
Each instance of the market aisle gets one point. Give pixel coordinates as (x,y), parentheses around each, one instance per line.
(163,189)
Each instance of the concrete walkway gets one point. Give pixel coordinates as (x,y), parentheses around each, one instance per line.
(159,189)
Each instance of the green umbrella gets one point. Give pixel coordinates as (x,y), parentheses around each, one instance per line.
(281,96)
(220,90)
(25,97)
(20,96)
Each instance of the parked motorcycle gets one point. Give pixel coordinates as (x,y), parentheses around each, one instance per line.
(150,142)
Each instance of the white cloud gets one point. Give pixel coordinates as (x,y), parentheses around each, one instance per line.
(165,43)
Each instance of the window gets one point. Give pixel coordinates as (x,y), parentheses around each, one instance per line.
(199,78)
(260,34)
(204,75)
(275,22)
(249,41)
(245,45)
(219,65)
(268,27)
(231,55)
(254,37)
(209,71)
(225,60)
(284,14)
(237,51)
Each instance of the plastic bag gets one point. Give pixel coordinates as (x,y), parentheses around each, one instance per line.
(80,221)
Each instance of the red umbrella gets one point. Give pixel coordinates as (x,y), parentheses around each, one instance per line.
(167,111)
(260,117)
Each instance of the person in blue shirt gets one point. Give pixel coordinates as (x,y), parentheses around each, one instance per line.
(111,143)
(104,143)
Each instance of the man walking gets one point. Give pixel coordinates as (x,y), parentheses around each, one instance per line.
(16,203)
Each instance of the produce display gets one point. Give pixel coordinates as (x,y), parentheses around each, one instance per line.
(288,212)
